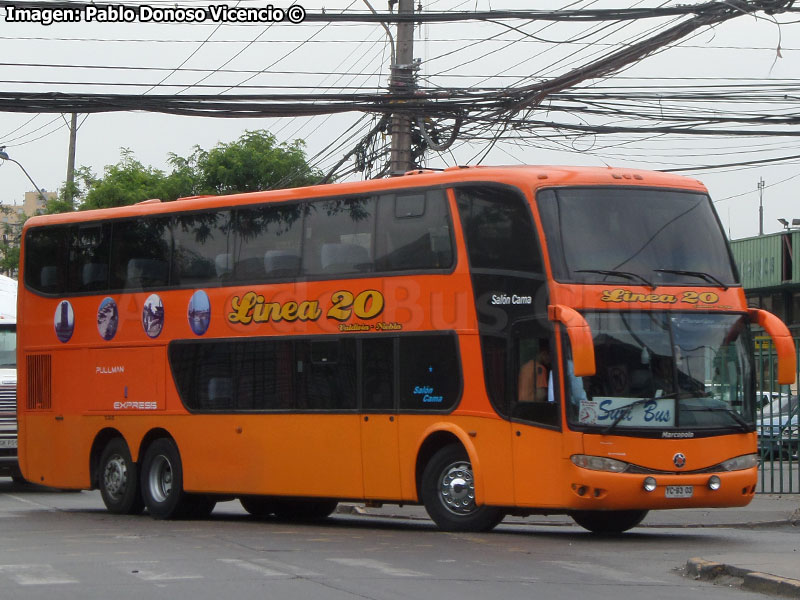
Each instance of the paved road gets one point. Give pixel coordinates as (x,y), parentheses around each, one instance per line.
(65,544)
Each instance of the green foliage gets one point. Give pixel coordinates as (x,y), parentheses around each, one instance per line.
(9,257)
(253,162)
(128,182)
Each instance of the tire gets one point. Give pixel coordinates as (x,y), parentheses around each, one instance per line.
(118,480)
(258,506)
(609,521)
(162,481)
(448,493)
(302,509)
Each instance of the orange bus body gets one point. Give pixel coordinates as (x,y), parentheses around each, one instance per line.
(75,396)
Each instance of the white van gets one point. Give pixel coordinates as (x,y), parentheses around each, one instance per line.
(9,466)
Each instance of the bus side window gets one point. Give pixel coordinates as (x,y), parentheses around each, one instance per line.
(326,374)
(414,232)
(140,253)
(377,359)
(430,374)
(45,251)
(89,249)
(338,236)
(535,397)
(199,240)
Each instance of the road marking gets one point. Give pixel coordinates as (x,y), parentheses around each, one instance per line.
(36,575)
(251,566)
(270,568)
(602,571)
(382,567)
(144,571)
(287,568)
(30,502)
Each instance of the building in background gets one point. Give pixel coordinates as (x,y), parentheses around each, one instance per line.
(769,266)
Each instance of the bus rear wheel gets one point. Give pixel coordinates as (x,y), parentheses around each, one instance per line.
(448,492)
(608,521)
(119,480)
(162,481)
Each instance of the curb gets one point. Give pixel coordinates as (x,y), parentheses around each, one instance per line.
(699,568)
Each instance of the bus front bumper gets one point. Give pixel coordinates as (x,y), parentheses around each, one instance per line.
(600,490)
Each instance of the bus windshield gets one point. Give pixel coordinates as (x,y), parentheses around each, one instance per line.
(8,346)
(666,370)
(640,236)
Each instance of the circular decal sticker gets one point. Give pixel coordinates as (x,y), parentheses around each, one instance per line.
(153,315)
(64,321)
(107,319)
(199,312)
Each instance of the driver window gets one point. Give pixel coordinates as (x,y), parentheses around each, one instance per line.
(534,397)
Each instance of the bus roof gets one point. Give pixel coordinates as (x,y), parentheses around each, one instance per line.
(522,175)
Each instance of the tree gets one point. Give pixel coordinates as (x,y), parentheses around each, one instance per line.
(256,161)
(253,162)
(128,182)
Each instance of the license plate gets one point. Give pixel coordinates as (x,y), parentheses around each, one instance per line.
(8,443)
(679,491)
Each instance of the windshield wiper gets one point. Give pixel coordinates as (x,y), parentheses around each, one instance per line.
(702,275)
(624,274)
(745,426)
(624,411)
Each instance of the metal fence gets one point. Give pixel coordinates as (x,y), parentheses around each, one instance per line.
(776,424)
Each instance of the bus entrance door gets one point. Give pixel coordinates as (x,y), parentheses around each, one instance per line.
(535,415)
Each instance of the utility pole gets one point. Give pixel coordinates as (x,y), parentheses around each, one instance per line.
(73,134)
(761,206)
(402,80)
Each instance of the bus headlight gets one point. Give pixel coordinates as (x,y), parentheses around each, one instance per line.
(599,463)
(649,484)
(740,463)
(714,482)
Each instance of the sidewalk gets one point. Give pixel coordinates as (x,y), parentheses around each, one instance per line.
(777,573)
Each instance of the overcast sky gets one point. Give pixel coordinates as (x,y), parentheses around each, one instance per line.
(219,58)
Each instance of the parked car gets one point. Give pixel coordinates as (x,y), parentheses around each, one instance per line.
(790,438)
(776,436)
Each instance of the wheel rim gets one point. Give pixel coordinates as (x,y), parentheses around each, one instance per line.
(115,477)
(457,488)
(160,478)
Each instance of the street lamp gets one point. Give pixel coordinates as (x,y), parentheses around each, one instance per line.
(4,156)
(786,226)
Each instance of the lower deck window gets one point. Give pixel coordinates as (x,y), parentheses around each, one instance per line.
(415,372)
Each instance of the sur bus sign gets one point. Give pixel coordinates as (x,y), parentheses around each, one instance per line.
(602,410)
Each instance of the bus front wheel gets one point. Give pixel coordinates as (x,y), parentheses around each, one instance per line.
(448,492)
(608,521)
(118,480)
(162,481)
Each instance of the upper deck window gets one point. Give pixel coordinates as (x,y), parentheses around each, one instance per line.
(499,229)
(253,244)
(633,235)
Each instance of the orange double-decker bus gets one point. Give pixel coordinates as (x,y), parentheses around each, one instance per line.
(483,341)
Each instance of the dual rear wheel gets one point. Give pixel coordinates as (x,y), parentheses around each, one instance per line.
(158,485)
